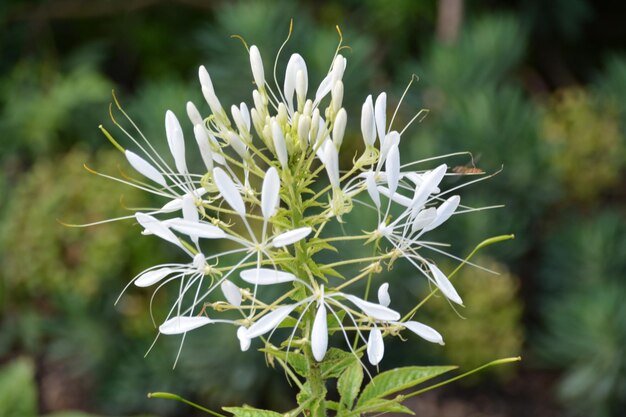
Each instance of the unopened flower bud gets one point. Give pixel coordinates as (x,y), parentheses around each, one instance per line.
(279,144)
(339,127)
(304,125)
(315,122)
(368,126)
(282,116)
(257,67)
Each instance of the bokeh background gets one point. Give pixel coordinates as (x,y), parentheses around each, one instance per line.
(536,87)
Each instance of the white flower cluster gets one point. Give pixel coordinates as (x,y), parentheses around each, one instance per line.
(262,191)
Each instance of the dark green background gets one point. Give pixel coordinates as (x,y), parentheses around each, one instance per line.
(537,87)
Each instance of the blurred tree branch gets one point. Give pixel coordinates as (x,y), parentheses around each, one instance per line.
(449,19)
(80,9)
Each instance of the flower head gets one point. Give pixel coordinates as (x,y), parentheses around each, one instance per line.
(271,183)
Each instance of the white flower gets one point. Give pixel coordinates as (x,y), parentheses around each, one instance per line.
(271,182)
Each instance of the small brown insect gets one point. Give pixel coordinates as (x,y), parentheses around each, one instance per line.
(467,170)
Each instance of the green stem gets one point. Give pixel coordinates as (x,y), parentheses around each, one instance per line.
(468,373)
(169,396)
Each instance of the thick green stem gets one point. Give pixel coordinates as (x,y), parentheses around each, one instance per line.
(317,407)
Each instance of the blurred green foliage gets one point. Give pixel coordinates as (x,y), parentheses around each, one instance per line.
(18,391)
(585,311)
(588,151)
(526,87)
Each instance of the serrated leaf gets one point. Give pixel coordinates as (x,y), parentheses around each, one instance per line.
(316,244)
(314,269)
(349,384)
(296,360)
(304,395)
(399,379)
(251,412)
(335,361)
(330,271)
(378,405)
(332,405)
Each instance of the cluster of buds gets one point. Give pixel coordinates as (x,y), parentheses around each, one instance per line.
(270,184)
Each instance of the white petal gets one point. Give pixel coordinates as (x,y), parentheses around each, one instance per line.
(152,277)
(235,142)
(209,92)
(175,141)
(266,276)
(239,121)
(244,340)
(319,334)
(335,74)
(172,205)
(444,284)
(156,227)
(331,163)
(424,218)
(229,191)
(397,197)
(375,346)
(392,168)
(368,125)
(423,331)
(194,114)
(190,214)
(380,112)
(339,66)
(205,78)
(257,66)
(231,293)
(428,186)
(323,89)
(444,211)
(373,310)
(270,193)
(392,138)
(269,321)
(279,144)
(336,97)
(383,295)
(196,228)
(372,190)
(144,168)
(292,236)
(217,157)
(180,324)
(202,138)
(189,209)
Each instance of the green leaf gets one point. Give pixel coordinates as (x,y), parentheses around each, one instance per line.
(335,361)
(305,394)
(332,405)
(18,395)
(349,384)
(296,360)
(330,271)
(399,379)
(379,405)
(251,412)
